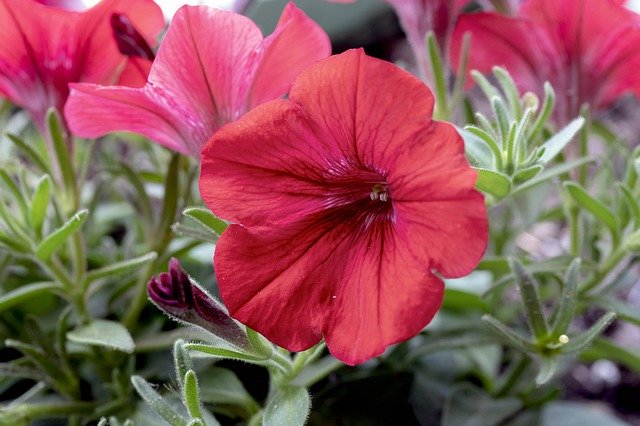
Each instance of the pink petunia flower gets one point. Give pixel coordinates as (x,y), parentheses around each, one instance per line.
(212,67)
(43,49)
(349,203)
(587,49)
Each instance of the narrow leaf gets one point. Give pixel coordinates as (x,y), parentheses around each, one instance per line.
(567,306)
(223,353)
(190,395)
(594,206)
(40,202)
(556,144)
(11,187)
(61,149)
(545,113)
(104,333)
(57,238)
(122,267)
(508,335)
(156,402)
(632,203)
(206,218)
(24,293)
(31,153)
(530,300)
(551,173)
(580,342)
(181,360)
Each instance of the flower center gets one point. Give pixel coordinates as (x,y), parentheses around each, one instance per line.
(379,192)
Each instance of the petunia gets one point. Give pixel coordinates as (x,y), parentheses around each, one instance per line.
(587,49)
(44,48)
(212,67)
(349,204)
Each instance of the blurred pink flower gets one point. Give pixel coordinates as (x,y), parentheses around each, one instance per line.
(43,49)
(587,49)
(418,17)
(212,67)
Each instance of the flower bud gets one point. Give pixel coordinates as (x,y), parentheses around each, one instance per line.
(530,101)
(175,293)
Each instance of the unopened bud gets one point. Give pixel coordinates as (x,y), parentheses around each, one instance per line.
(175,293)
(530,101)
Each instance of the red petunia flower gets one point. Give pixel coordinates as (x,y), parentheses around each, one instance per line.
(212,67)
(43,49)
(587,49)
(347,199)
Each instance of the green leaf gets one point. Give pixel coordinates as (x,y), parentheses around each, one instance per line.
(632,203)
(120,268)
(470,406)
(509,336)
(288,406)
(221,386)
(548,369)
(40,202)
(181,360)
(482,154)
(259,343)
(556,144)
(190,395)
(156,402)
(53,241)
(31,153)
(594,206)
(24,293)
(547,108)
(61,149)
(580,342)
(9,185)
(502,117)
(509,88)
(530,300)
(551,173)
(462,300)
(207,219)
(438,72)
(567,305)
(224,353)
(526,174)
(493,183)
(104,333)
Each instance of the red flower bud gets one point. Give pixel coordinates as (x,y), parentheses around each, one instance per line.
(178,296)
(130,41)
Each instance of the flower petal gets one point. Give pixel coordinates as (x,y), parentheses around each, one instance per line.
(367,108)
(496,40)
(285,163)
(362,292)
(93,111)
(296,43)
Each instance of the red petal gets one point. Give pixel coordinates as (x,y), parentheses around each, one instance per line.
(362,108)
(275,162)
(296,43)
(363,292)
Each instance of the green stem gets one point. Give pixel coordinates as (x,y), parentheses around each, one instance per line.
(31,412)
(574,231)
(607,266)
(167,218)
(584,147)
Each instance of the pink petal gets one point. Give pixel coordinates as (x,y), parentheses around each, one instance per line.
(93,111)
(296,43)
